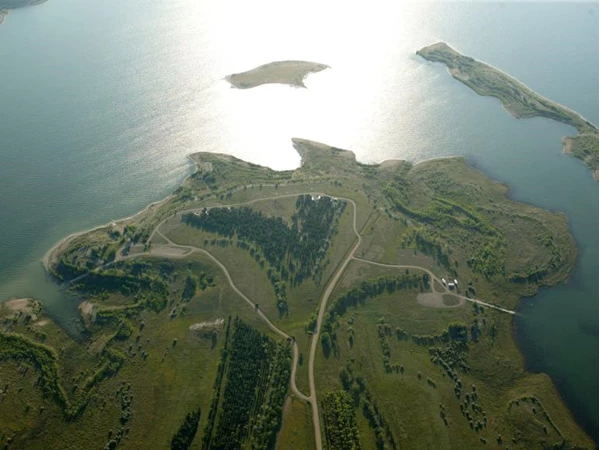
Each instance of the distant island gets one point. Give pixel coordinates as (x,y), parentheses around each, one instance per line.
(517,99)
(5,5)
(291,73)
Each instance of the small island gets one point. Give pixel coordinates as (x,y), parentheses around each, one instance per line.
(517,99)
(252,303)
(291,73)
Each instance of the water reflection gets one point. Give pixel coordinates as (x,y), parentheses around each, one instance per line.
(101,101)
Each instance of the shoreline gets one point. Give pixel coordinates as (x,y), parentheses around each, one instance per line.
(554,103)
(567,145)
(291,73)
(47,257)
(58,246)
(518,99)
(589,426)
(313,146)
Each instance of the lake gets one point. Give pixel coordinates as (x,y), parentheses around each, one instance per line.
(100,102)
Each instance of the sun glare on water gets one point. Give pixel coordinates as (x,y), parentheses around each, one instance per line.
(351,105)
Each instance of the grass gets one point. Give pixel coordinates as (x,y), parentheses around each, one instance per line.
(302,299)
(297,429)
(169,383)
(584,146)
(441,215)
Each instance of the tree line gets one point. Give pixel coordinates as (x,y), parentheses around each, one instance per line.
(248,408)
(339,417)
(294,251)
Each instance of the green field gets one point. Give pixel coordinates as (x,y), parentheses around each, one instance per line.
(416,397)
(174,353)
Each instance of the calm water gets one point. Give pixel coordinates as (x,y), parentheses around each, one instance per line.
(101,101)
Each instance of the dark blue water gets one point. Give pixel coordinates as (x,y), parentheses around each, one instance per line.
(101,101)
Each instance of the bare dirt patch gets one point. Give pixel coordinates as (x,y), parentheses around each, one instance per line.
(437,300)
(568,145)
(169,252)
(87,311)
(19,306)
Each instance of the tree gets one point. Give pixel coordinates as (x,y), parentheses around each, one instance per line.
(326,343)
(187,431)
(189,290)
(345,378)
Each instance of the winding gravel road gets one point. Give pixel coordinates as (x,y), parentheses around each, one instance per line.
(162,250)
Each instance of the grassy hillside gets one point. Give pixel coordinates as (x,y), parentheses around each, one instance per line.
(164,362)
(437,378)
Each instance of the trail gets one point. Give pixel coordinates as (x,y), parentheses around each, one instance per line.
(258,311)
(312,397)
(446,290)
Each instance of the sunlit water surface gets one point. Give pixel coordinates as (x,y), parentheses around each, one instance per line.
(100,102)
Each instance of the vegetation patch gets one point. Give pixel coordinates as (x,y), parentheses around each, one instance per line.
(187,431)
(414,377)
(340,421)
(249,391)
(293,252)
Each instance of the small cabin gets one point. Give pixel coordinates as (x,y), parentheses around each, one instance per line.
(451,285)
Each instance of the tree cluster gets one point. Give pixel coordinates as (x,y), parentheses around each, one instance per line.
(256,371)
(295,251)
(182,440)
(339,417)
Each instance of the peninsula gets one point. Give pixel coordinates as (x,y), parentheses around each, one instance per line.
(517,99)
(291,73)
(338,305)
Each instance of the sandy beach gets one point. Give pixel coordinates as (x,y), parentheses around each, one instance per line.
(567,145)
(51,255)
